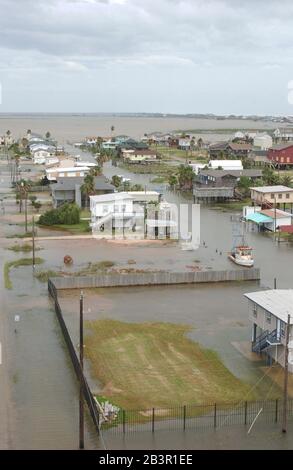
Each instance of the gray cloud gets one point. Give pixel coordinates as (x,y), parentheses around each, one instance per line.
(91,38)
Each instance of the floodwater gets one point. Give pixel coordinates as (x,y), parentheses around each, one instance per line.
(42,389)
(69,127)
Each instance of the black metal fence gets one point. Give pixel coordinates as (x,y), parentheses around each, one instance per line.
(185,417)
(93,409)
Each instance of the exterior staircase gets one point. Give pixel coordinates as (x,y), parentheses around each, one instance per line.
(265,340)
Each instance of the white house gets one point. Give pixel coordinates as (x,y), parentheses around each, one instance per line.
(226,164)
(125,211)
(109,145)
(139,155)
(62,172)
(263,140)
(40,156)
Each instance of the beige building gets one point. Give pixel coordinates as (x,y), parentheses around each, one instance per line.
(273,194)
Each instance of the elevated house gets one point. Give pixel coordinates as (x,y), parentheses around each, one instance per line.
(229,149)
(222,178)
(259,157)
(281,154)
(269,196)
(268,314)
(267,219)
(283,135)
(125,213)
(139,155)
(69,190)
(262,140)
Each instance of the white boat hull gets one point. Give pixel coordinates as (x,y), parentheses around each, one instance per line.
(241,262)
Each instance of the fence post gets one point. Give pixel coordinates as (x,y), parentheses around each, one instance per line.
(153,420)
(215,415)
(276,410)
(123,420)
(184,417)
(245,413)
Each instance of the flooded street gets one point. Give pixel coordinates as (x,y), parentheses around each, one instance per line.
(41,389)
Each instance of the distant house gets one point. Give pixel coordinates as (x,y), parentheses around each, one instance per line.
(226,164)
(268,313)
(53,174)
(39,156)
(139,156)
(263,140)
(184,143)
(281,154)
(69,190)
(259,157)
(267,219)
(229,149)
(283,135)
(271,195)
(110,145)
(220,178)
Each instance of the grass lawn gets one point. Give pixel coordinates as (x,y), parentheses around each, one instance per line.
(231,206)
(145,365)
(16,264)
(74,229)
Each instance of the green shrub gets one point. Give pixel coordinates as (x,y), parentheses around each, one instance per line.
(67,214)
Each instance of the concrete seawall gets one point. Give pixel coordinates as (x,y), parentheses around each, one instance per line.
(160,278)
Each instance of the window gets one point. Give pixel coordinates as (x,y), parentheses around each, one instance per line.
(280,196)
(272,196)
(105,209)
(287,196)
(123,207)
(254,310)
(61,174)
(268,317)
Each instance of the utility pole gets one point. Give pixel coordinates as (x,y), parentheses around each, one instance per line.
(285,399)
(25,210)
(81,404)
(34,243)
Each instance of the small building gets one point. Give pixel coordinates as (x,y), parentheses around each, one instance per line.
(281,154)
(259,157)
(69,190)
(263,140)
(270,195)
(226,164)
(40,156)
(268,313)
(268,219)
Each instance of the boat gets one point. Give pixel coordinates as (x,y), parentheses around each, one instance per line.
(242,255)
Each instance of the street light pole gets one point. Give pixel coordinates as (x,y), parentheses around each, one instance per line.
(34,261)
(81,404)
(285,399)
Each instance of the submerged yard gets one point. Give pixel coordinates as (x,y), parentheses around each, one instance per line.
(145,365)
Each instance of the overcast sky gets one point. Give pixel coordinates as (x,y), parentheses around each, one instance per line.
(181,56)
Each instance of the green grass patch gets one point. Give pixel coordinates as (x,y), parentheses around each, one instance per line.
(75,229)
(25,248)
(159,169)
(146,365)
(16,264)
(43,276)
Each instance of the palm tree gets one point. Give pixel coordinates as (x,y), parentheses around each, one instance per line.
(112,131)
(200,143)
(95,171)
(88,187)
(185,176)
(48,135)
(8,133)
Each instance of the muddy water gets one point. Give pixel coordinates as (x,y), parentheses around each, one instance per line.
(44,393)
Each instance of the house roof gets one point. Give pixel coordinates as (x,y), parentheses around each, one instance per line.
(236,173)
(278,302)
(67,184)
(282,146)
(239,146)
(111,197)
(272,189)
(258,218)
(278,213)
